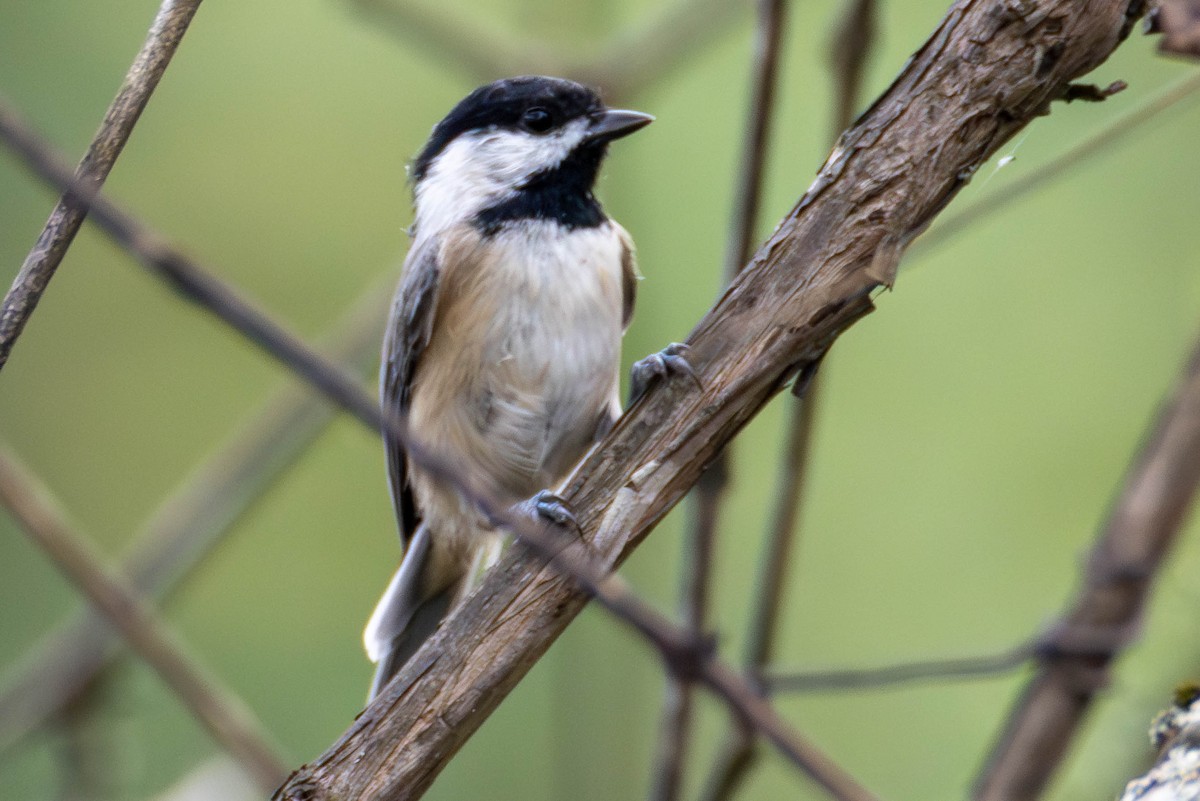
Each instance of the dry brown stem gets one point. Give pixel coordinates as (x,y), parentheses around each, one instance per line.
(987,71)
(40,265)
(849,53)
(709,496)
(222,713)
(186,527)
(221,299)
(1075,657)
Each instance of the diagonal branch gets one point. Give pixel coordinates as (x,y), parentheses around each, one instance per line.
(966,92)
(850,49)
(186,527)
(687,654)
(645,52)
(954,224)
(225,717)
(201,287)
(1129,552)
(40,265)
(193,282)
(630,60)
(458,38)
(709,495)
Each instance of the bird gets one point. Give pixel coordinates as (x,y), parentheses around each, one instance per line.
(504,341)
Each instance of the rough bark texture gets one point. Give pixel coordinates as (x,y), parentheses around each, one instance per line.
(1175,732)
(989,68)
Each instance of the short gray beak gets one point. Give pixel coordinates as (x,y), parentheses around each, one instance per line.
(614,123)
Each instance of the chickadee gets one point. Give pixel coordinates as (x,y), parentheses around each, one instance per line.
(504,342)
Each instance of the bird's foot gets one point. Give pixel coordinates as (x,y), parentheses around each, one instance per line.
(670,361)
(547,507)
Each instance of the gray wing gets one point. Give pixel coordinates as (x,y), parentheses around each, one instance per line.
(629,278)
(408,333)
(629,275)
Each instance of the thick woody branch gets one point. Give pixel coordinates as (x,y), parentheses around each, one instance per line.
(200,286)
(687,654)
(709,496)
(985,73)
(143,76)
(849,53)
(1110,135)
(1129,552)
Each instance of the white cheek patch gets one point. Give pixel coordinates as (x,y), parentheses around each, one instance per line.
(480,168)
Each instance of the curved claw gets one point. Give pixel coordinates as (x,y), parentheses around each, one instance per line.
(549,507)
(669,361)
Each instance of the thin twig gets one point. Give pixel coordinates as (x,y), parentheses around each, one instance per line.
(811,281)
(630,60)
(201,287)
(776,558)
(851,47)
(225,717)
(40,265)
(940,670)
(772,18)
(954,224)
(740,751)
(676,715)
(686,654)
(1140,532)
(458,39)
(187,526)
(849,52)
(709,494)
(192,281)
(645,52)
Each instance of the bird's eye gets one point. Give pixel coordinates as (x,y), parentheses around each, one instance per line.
(536,120)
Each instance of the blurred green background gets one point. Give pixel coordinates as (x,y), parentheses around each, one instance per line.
(971,434)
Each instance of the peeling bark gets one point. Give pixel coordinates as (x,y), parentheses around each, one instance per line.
(987,70)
